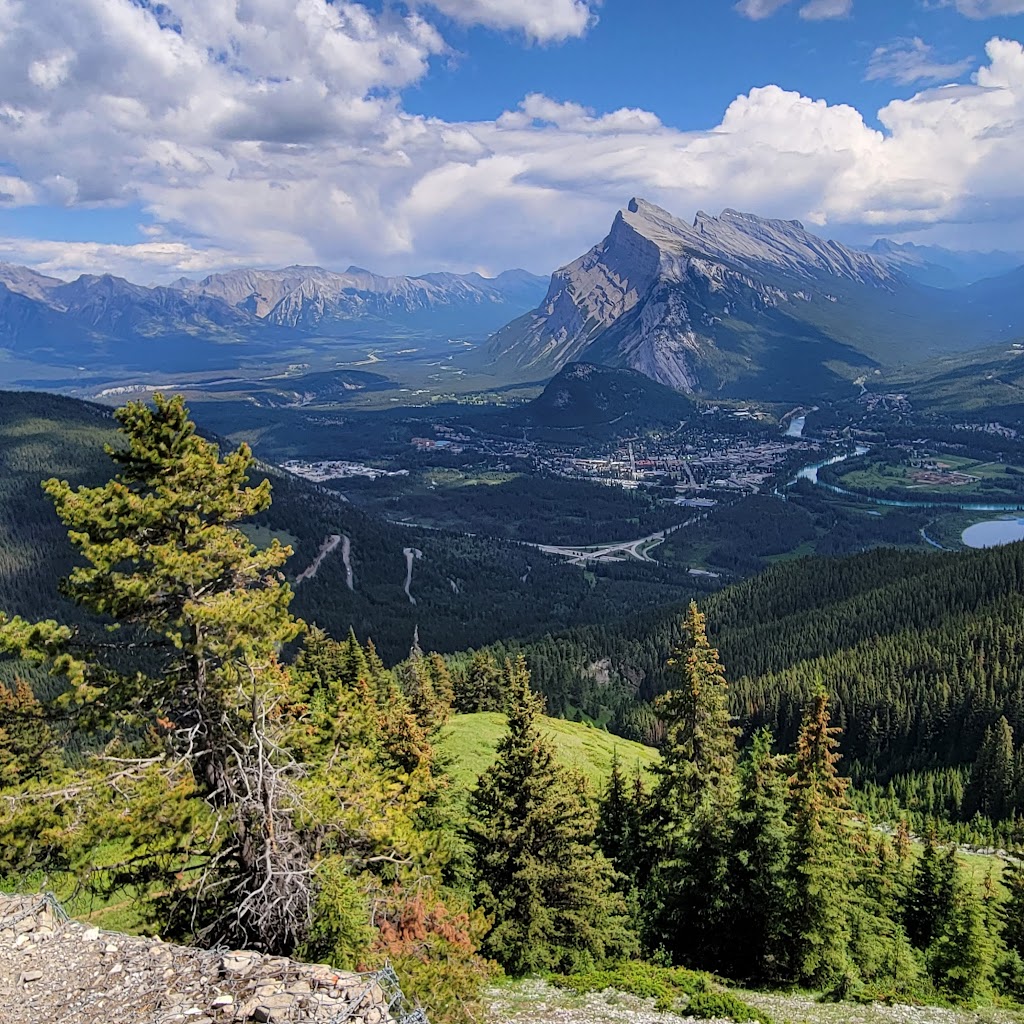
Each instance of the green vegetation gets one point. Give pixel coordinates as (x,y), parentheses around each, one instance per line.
(469,743)
(457,583)
(188,753)
(522,507)
(899,475)
(688,993)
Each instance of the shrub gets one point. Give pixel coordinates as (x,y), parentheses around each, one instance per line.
(719,1005)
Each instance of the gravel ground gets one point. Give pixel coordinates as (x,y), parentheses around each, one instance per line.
(536,1002)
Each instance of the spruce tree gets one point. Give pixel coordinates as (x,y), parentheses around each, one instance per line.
(960,957)
(481,686)
(616,820)
(540,878)
(1012,912)
(992,787)
(164,559)
(930,894)
(820,865)
(759,879)
(693,803)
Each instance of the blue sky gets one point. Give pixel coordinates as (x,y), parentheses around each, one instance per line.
(480,134)
(686,60)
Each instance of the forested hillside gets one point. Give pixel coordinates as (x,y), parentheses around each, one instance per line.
(924,653)
(238,777)
(457,581)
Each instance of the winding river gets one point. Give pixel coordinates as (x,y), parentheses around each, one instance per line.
(811,473)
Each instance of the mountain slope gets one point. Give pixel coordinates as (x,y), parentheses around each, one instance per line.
(468,590)
(319,300)
(471,741)
(735,304)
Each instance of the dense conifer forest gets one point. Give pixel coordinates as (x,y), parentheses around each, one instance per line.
(178,737)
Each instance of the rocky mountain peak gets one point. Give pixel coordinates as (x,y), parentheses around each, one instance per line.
(657,292)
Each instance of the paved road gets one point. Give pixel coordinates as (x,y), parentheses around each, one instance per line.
(595,552)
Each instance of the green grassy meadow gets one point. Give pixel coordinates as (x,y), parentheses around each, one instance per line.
(469,742)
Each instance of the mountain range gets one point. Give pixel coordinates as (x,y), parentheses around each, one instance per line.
(109,322)
(944,268)
(745,306)
(735,305)
(318,300)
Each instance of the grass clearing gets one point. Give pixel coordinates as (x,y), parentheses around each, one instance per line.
(470,742)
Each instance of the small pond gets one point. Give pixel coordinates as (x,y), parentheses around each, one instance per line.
(992,533)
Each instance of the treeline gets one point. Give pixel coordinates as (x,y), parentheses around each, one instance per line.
(922,653)
(754,865)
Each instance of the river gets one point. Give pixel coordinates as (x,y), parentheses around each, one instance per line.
(811,473)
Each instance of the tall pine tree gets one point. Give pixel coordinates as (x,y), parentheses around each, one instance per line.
(693,803)
(759,878)
(540,878)
(820,865)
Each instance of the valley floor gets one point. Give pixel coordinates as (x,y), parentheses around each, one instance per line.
(533,1001)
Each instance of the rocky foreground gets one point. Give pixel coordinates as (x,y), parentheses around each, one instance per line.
(57,971)
(533,1001)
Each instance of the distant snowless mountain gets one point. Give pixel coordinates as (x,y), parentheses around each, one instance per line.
(744,306)
(944,268)
(102,319)
(312,298)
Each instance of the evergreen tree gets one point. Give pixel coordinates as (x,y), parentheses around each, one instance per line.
(960,957)
(930,894)
(547,889)
(693,803)
(616,819)
(992,787)
(165,561)
(481,687)
(759,872)
(1013,909)
(820,863)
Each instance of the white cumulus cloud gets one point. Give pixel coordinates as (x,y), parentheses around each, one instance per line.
(544,21)
(256,132)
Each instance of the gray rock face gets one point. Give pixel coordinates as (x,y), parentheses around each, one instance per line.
(649,295)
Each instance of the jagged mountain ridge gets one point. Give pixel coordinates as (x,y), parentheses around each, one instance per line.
(732,304)
(312,298)
(103,320)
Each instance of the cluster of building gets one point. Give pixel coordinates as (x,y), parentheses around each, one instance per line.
(335,469)
(697,460)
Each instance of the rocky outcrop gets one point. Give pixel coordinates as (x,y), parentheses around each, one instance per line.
(662,296)
(57,971)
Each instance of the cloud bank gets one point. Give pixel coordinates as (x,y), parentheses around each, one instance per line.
(252,131)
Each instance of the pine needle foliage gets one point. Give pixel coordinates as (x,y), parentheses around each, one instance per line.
(547,889)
